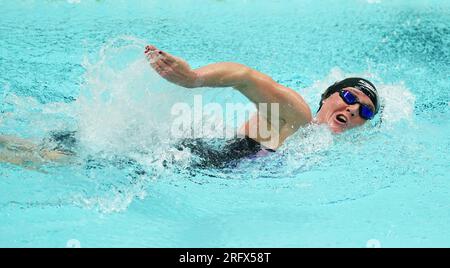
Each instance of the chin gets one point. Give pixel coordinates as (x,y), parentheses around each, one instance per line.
(337,130)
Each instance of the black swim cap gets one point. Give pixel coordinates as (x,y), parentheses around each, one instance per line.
(364,85)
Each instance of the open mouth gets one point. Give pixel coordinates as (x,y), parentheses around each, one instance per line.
(341,119)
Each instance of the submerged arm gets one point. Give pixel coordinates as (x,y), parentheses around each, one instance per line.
(24,153)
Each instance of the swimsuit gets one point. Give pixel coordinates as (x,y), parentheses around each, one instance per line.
(63,141)
(209,153)
(228,155)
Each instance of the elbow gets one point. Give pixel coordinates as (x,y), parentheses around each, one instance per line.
(246,71)
(243,77)
(243,74)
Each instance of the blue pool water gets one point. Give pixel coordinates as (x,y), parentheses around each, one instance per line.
(78,65)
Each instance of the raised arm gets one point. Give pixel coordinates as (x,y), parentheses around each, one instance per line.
(256,86)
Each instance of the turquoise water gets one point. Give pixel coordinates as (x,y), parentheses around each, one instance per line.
(78,65)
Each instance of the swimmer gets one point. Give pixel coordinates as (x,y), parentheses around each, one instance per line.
(345,105)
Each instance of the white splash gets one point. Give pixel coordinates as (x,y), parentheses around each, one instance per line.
(124,104)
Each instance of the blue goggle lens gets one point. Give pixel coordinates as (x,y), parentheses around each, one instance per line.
(349,98)
(365,112)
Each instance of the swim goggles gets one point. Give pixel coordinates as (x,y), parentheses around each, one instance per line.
(365,111)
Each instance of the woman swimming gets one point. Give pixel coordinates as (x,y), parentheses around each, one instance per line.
(344,105)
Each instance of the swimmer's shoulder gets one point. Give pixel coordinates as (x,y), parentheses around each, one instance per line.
(298,112)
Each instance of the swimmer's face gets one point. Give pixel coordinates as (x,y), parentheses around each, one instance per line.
(341,116)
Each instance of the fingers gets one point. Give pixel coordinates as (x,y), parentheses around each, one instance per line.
(162,68)
(166,57)
(153,61)
(159,60)
(164,64)
(153,54)
(150,51)
(152,57)
(150,48)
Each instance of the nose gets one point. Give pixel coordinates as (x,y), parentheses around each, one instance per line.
(353,109)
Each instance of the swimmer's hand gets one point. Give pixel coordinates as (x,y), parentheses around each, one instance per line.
(171,68)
